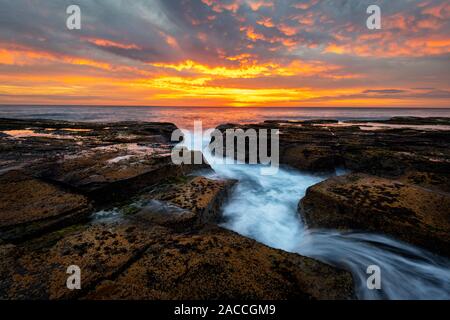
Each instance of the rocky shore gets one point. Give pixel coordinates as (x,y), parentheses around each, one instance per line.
(107,198)
(398,180)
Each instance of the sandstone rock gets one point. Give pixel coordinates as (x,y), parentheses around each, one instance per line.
(168,239)
(218,264)
(361,202)
(167,215)
(429,180)
(182,204)
(202,196)
(136,259)
(416,120)
(323,146)
(25,142)
(304,122)
(102,251)
(29,206)
(311,158)
(109,176)
(108,162)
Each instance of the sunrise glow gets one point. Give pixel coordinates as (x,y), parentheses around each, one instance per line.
(227,53)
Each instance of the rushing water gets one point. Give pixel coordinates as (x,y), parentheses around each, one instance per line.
(264,208)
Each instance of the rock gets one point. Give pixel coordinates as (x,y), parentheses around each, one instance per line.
(218,264)
(158,249)
(102,251)
(302,146)
(415,121)
(166,215)
(324,146)
(30,206)
(113,176)
(26,142)
(430,180)
(361,202)
(106,161)
(183,204)
(104,130)
(311,158)
(304,122)
(137,259)
(202,196)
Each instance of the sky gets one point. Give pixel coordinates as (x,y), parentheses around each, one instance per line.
(226,53)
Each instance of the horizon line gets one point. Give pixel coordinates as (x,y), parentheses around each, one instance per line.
(220,107)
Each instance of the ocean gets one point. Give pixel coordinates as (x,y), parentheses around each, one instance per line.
(184,117)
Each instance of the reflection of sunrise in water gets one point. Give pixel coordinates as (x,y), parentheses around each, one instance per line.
(210,117)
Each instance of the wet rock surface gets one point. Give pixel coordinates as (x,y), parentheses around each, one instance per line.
(25,142)
(414,121)
(108,199)
(200,195)
(109,162)
(361,202)
(387,151)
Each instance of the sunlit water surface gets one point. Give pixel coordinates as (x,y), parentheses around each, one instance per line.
(184,117)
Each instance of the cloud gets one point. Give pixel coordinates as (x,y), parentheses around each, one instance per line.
(384,91)
(311,49)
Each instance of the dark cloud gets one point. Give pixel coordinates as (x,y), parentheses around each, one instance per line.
(385,91)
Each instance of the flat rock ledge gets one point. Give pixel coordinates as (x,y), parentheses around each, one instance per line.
(30,207)
(362,202)
(135,259)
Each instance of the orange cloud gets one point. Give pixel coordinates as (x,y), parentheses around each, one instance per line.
(251,70)
(255,5)
(266,22)
(252,34)
(287,30)
(219,7)
(415,47)
(441,10)
(306,5)
(112,44)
